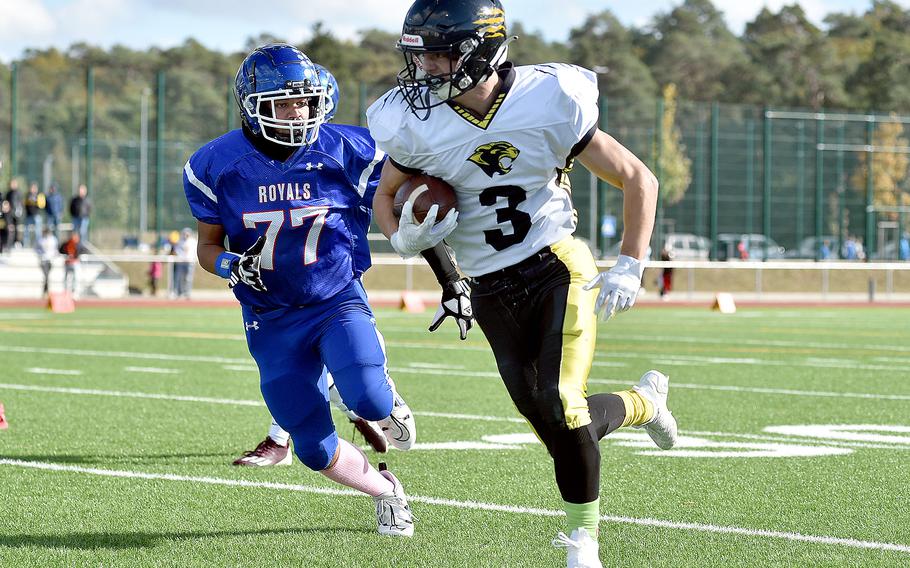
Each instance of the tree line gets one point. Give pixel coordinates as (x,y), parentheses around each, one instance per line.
(856,62)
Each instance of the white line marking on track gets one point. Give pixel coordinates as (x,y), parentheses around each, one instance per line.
(434,366)
(124,394)
(797,440)
(471,417)
(241,368)
(228,401)
(598,362)
(841,347)
(43,371)
(125,354)
(816,363)
(447,415)
(762,390)
(152,370)
(473,505)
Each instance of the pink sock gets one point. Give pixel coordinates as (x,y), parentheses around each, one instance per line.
(353,469)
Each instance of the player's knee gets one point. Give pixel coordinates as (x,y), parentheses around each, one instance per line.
(366,391)
(316,455)
(375,403)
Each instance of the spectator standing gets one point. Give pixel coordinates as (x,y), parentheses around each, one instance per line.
(824,252)
(4,225)
(46,248)
(35,204)
(54,209)
(741,251)
(903,249)
(176,269)
(155,271)
(666,274)
(186,263)
(72,249)
(14,197)
(850,249)
(80,210)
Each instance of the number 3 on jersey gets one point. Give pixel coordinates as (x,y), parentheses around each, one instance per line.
(275,220)
(521,221)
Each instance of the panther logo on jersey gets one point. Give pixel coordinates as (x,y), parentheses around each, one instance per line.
(495,158)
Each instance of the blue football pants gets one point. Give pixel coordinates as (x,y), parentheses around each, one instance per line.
(292,345)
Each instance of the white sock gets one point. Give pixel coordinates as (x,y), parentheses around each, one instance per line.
(278,434)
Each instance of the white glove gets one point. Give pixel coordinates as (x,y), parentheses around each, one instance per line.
(411,238)
(618,287)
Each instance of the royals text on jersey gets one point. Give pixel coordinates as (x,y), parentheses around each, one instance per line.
(314,209)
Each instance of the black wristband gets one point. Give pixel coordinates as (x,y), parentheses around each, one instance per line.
(440,260)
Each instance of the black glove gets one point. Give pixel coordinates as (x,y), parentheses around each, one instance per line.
(246,269)
(456,302)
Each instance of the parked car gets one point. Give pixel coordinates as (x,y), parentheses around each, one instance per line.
(686,246)
(747,246)
(809,248)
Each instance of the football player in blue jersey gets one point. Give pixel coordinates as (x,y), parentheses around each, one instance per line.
(275,448)
(283,206)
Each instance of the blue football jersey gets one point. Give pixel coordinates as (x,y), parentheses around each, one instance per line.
(314,209)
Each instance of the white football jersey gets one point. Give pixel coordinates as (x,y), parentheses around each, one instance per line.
(507,168)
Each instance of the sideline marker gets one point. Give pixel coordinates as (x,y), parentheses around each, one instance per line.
(723,303)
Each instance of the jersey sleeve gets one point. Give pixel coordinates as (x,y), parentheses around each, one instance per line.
(363,161)
(579,96)
(387,120)
(198,184)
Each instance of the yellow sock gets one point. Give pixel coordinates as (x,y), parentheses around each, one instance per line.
(639,410)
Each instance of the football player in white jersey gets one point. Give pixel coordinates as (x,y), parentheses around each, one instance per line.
(504,137)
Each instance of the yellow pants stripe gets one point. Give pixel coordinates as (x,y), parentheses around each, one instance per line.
(579,331)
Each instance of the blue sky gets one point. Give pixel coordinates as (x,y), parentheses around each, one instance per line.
(226,24)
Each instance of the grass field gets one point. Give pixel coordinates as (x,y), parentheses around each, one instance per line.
(795,448)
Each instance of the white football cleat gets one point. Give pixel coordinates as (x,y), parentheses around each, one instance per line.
(393,515)
(399,428)
(583,550)
(654,386)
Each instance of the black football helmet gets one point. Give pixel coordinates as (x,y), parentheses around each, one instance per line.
(472,33)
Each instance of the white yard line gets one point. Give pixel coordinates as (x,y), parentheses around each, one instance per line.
(125,354)
(43,371)
(763,390)
(127,394)
(475,374)
(811,362)
(473,506)
(842,347)
(152,370)
(655,358)
(447,415)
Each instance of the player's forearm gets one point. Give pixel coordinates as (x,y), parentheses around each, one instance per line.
(441,262)
(383,214)
(208,253)
(639,208)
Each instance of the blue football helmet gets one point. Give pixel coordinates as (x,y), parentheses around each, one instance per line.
(270,79)
(331,88)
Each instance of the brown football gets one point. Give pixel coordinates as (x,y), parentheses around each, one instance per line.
(423,192)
